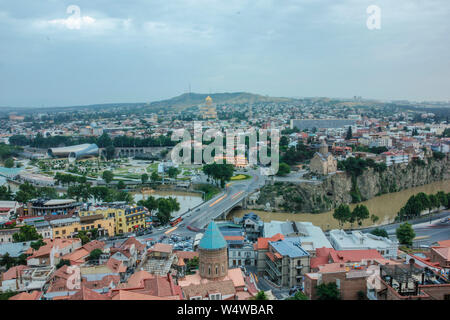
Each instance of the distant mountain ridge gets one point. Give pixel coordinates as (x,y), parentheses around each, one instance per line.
(186,100)
(178,103)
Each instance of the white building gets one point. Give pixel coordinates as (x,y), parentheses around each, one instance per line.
(356,240)
(311,237)
(391,158)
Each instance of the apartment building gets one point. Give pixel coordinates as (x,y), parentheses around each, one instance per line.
(286,262)
(356,240)
(126,218)
(69,227)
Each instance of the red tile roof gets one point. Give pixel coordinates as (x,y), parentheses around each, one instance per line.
(88,294)
(13,272)
(263,243)
(34,295)
(326,255)
(444,243)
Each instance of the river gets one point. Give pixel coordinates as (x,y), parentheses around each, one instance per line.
(385,207)
(187,200)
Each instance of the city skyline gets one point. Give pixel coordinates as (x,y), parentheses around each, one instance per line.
(148,52)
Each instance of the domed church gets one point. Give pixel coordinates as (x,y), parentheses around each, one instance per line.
(213,280)
(213,257)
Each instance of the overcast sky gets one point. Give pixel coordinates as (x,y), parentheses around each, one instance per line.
(147,50)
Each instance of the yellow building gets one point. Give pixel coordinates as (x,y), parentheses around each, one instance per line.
(125,219)
(69,227)
(208,110)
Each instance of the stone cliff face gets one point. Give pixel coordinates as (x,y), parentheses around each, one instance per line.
(337,189)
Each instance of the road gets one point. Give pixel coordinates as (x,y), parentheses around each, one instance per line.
(201,216)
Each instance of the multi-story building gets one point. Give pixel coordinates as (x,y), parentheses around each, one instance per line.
(391,158)
(43,207)
(311,236)
(69,227)
(286,262)
(357,240)
(126,219)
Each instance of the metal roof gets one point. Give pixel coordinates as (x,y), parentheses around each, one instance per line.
(213,238)
(289,247)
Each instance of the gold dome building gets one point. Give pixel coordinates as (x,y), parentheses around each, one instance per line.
(208,111)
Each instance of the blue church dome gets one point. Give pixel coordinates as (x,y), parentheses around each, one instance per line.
(213,238)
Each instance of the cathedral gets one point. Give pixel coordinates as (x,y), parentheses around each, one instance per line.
(208,110)
(323,161)
(214,280)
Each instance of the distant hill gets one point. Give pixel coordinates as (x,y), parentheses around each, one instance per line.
(180,102)
(193,99)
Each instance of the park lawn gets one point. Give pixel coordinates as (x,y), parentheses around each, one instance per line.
(240,177)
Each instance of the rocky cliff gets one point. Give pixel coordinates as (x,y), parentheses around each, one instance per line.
(342,188)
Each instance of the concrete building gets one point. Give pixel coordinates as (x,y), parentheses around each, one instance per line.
(391,157)
(311,237)
(350,280)
(286,262)
(44,207)
(356,240)
(302,124)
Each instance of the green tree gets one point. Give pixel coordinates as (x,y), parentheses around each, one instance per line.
(442,197)
(63,262)
(5,193)
(380,232)
(328,291)
(360,213)
(7,261)
(433,202)
(7,294)
(150,203)
(26,233)
(26,193)
(108,176)
(361,295)
(155,177)
(165,208)
(405,234)
(172,172)
(121,185)
(283,169)
(192,264)
(144,178)
(342,214)
(349,133)
(37,244)
(95,254)
(9,163)
(298,296)
(261,295)
(374,218)
(220,173)
(110,152)
(284,141)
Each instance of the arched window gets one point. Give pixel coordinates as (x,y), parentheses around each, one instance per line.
(217,269)
(209,270)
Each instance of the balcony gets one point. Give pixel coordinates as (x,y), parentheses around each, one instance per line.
(275,269)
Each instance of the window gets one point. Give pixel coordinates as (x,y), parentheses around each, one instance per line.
(217,270)
(338,283)
(209,270)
